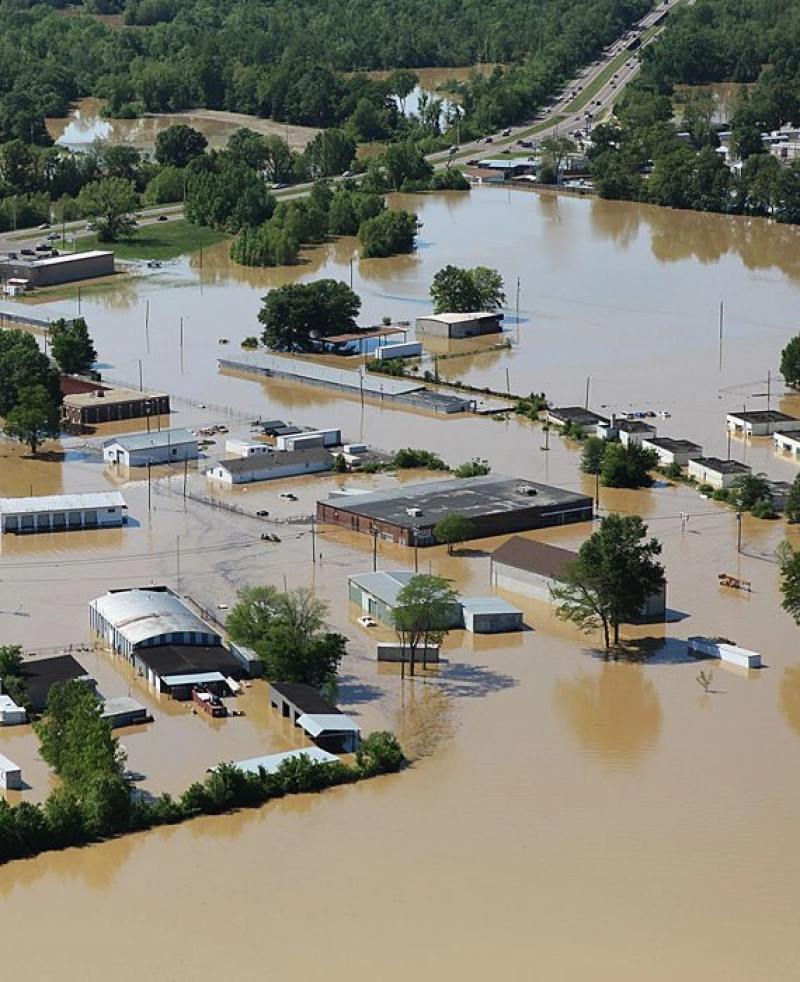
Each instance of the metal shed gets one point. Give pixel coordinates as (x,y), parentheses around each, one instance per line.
(10,775)
(490,615)
(63,512)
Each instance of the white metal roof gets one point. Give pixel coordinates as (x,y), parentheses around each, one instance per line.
(61,502)
(272,762)
(70,257)
(7,765)
(147,441)
(476,315)
(143,614)
(488,605)
(7,704)
(193,678)
(384,584)
(316,723)
(119,705)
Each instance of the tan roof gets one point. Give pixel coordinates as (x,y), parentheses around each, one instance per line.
(534,557)
(110,396)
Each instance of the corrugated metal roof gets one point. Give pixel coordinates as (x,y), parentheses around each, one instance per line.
(383,585)
(61,502)
(489,605)
(148,441)
(120,705)
(7,765)
(534,557)
(316,724)
(193,678)
(274,461)
(272,762)
(139,615)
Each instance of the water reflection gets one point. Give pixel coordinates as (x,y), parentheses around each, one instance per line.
(615,715)
(789,696)
(424,719)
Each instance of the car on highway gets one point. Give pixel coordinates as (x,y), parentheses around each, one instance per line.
(27,252)
(366,621)
(163,218)
(53,236)
(44,225)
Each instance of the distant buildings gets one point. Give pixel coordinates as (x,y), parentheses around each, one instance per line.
(141,449)
(671,451)
(584,419)
(495,504)
(63,512)
(70,267)
(762,422)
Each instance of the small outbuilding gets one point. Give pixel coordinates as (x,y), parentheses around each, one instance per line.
(271,467)
(246,448)
(271,764)
(787,442)
(490,615)
(326,725)
(762,422)
(671,451)
(41,674)
(457,326)
(10,775)
(634,431)
(584,419)
(63,512)
(125,711)
(376,593)
(716,472)
(161,447)
(10,713)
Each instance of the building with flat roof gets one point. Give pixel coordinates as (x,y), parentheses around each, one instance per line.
(125,711)
(458,326)
(716,472)
(271,466)
(63,512)
(490,615)
(271,763)
(376,594)
(41,674)
(584,419)
(787,442)
(326,725)
(10,775)
(634,431)
(671,451)
(534,569)
(762,422)
(161,447)
(10,713)
(495,504)
(70,267)
(103,404)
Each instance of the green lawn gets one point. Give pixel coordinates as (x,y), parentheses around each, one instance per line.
(162,240)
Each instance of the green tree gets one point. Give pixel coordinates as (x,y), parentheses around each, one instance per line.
(12,673)
(111,202)
(405,165)
(388,233)
(426,609)
(628,466)
(457,290)
(23,366)
(614,575)
(408,458)
(72,346)
(593,455)
(749,490)
(790,362)
(793,502)
(288,632)
(34,418)
(297,315)
(452,530)
(330,152)
(477,467)
(789,560)
(177,145)
(379,753)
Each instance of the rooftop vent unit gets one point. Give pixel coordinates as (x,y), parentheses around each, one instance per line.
(525,489)
(414,512)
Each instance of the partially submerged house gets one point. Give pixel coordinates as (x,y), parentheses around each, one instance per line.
(159,447)
(716,472)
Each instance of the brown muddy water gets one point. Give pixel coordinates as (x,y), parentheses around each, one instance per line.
(565,816)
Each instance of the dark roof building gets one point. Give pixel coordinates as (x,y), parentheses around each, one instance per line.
(271,466)
(326,725)
(587,420)
(41,674)
(762,422)
(495,504)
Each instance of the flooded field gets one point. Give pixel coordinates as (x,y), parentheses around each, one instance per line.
(565,816)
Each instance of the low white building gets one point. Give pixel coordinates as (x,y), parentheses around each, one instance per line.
(405,349)
(634,431)
(10,775)
(586,420)
(671,451)
(309,438)
(160,447)
(762,422)
(718,473)
(787,442)
(63,512)
(467,325)
(246,448)
(10,713)
(271,467)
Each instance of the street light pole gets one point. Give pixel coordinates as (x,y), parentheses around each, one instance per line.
(739,529)
(416,549)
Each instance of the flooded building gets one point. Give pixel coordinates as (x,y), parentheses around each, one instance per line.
(634,431)
(10,713)
(272,466)
(63,512)
(41,674)
(125,711)
(671,451)
(141,449)
(53,270)
(584,419)
(490,615)
(246,448)
(787,442)
(326,725)
(535,569)
(272,762)
(716,472)
(87,403)
(10,775)
(762,422)
(495,504)
(458,326)
(376,594)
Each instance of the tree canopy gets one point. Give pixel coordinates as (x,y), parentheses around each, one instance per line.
(297,315)
(424,613)
(177,145)
(790,362)
(72,346)
(30,396)
(453,529)
(111,202)
(457,290)
(615,573)
(288,632)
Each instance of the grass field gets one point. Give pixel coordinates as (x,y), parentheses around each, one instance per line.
(161,240)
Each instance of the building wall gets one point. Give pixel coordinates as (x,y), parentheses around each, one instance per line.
(462,329)
(492,623)
(62,520)
(370,604)
(102,411)
(521,581)
(289,470)
(11,778)
(667,457)
(170,453)
(787,444)
(714,478)
(626,439)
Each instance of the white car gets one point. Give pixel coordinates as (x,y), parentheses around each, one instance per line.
(366,621)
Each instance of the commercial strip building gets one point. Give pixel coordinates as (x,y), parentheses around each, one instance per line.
(53,270)
(63,512)
(271,466)
(165,641)
(586,420)
(359,384)
(762,422)
(495,504)
(716,472)
(534,569)
(326,725)
(458,326)
(88,403)
(141,449)
(41,674)
(671,451)
(787,442)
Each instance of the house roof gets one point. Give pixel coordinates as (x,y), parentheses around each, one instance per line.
(120,706)
(41,674)
(764,416)
(722,466)
(674,446)
(534,557)
(62,502)
(101,395)
(383,585)
(149,441)
(489,605)
(635,426)
(305,698)
(276,460)
(454,318)
(143,614)
(185,662)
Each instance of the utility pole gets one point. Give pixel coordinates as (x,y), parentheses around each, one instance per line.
(373,531)
(141,386)
(416,549)
(313,540)
(149,494)
(588,382)
(739,528)
(147,324)
(178,563)
(684,517)
(181,346)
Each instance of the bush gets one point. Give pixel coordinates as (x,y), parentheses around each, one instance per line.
(409,458)
(763,508)
(476,467)
(706,490)
(380,753)
(250,342)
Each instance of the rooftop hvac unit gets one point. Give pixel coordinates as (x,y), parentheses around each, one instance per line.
(525,489)
(414,512)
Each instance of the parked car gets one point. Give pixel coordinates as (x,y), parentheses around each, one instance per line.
(366,621)
(44,225)
(163,218)
(53,236)
(288,496)
(27,252)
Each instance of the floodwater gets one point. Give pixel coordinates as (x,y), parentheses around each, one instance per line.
(565,816)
